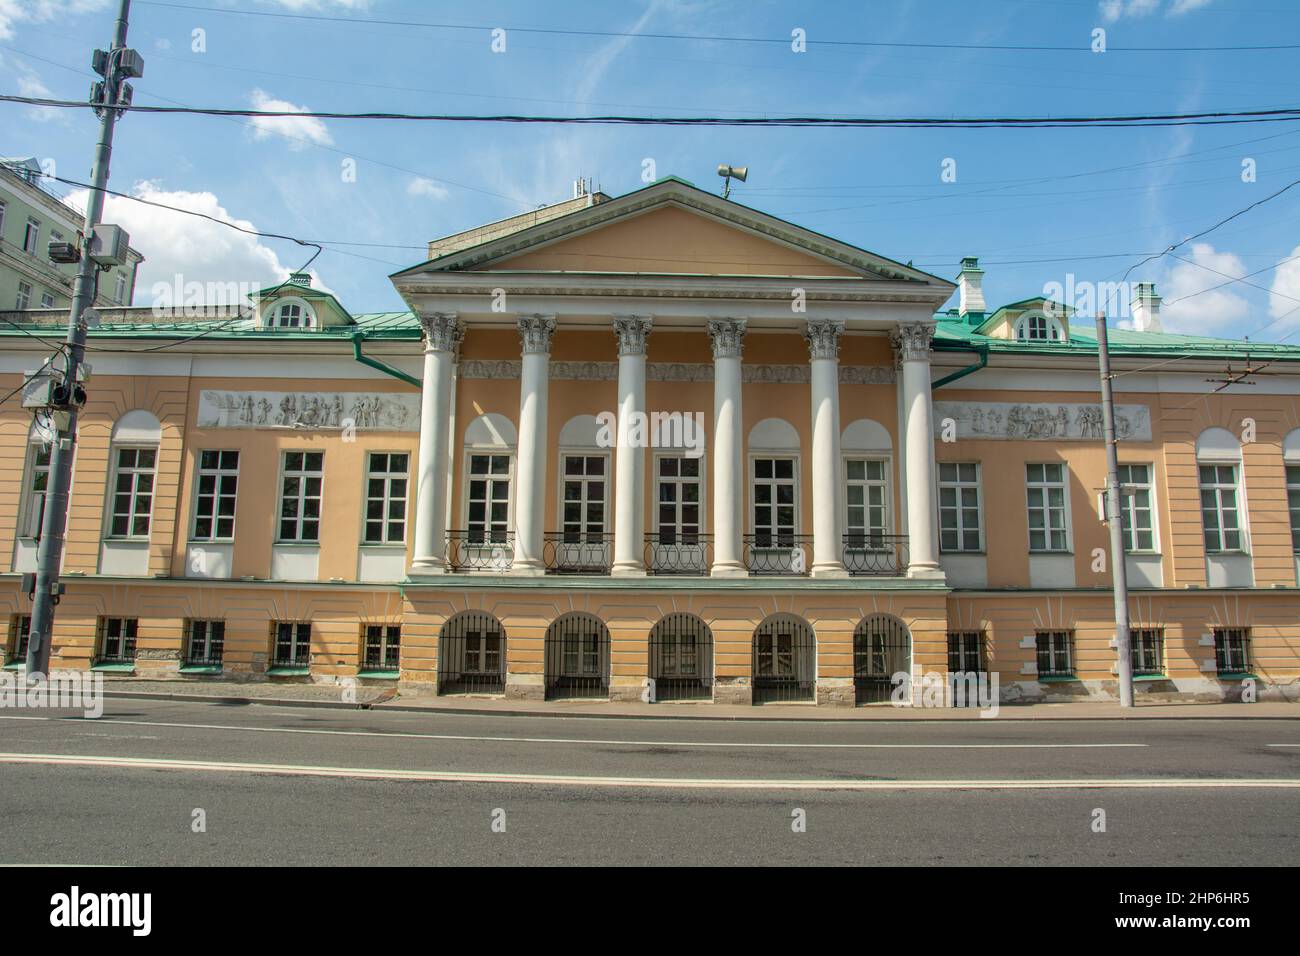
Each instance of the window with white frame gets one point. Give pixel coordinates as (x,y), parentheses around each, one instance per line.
(960,527)
(24,297)
(1036,327)
(387,479)
(1055,653)
(585,497)
(134,472)
(31,235)
(47,300)
(117,637)
(1232,650)
(291,314)
(205,642)
(680,496)
(866,502)
(487,501)
(119,289)
(1045,486)
(291,645)
(1135,508)
(35,488)
(1220,510)
(300,496)
(383,647)
(215,493)
(774,492)
(20,632)
(1293,504)
(1147,650)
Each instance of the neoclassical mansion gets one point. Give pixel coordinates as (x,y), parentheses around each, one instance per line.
(663,447)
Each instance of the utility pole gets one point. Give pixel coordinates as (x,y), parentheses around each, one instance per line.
(1119,571)
(67,396)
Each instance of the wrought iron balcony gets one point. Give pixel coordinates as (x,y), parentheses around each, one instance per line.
(868,554)
(778,553)
(577,552)
(480,550)
(674,552)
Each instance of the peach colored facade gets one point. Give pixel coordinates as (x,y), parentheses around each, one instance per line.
(1222,623)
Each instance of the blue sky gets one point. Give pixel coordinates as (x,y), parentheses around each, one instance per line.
(1067,195)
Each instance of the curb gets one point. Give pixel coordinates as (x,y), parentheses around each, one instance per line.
(379,704)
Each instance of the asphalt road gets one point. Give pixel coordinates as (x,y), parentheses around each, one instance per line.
(318,786)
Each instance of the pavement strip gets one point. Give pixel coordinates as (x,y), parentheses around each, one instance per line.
(676,783)
(767,745)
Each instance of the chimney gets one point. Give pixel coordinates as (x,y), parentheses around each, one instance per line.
(970,288)
(300,278)
(1146,308)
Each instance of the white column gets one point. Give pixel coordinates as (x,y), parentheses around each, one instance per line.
(728,474)
(629,459)
(442,333)
(913,342)
(530,496)
(823,337)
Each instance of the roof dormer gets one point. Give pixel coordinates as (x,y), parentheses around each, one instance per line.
(295,306)
(1033,321)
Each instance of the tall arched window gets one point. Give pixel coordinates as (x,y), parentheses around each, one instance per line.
(1218,464)
(134,460)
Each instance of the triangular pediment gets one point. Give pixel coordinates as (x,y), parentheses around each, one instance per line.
(672,228)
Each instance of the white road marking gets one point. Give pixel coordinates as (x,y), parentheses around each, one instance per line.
(579,740)
(1282,745)
(452,776)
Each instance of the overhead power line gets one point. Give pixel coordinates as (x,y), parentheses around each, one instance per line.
(1232,117)
(714,38)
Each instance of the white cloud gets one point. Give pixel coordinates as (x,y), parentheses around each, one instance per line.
(1179,7)
(420,186)
(1284,292)
(41,11)
(1112,10)
(298,132)
(195,249)
(30,84)
(320,4)
(1218,313)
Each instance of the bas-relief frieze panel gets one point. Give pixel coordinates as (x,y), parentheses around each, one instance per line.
(1039,421)
(367,411)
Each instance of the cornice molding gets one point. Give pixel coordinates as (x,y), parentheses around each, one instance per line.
(506,369)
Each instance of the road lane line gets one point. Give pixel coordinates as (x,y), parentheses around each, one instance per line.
(453,776)
(579,740)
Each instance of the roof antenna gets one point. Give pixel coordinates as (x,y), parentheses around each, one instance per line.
(728,173)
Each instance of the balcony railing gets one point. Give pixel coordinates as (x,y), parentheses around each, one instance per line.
(674,552)
(577,552)
(775,552)
(869,554)
(480,550)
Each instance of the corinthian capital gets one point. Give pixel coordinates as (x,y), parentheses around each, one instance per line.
(912,339)
(632,332)
(728,337)
(536,332)
(823,337)
(442,331)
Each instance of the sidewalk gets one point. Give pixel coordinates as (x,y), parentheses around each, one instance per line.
(390,699)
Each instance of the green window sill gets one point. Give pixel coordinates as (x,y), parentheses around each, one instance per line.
(1058,679)
(379,675)
(14,666)
(288,671)
(1138,677)
(201,669)
(1236,675)
(114,668)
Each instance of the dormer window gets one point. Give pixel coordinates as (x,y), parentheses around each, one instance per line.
(291,314)
(1037,327)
